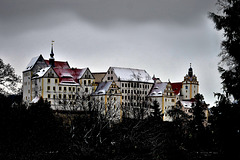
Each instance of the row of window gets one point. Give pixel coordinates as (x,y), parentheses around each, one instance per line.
(61,96)
(85,82)
(132,98)
(49,80)
(135,85)
(70,89)
(134,91)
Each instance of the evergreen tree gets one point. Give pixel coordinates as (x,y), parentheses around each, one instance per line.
(225,120)
(228,20)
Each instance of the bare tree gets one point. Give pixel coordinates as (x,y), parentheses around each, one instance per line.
(8,79)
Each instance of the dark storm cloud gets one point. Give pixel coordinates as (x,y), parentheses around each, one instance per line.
(21,15)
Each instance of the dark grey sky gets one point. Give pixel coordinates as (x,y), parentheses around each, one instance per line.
(161,36)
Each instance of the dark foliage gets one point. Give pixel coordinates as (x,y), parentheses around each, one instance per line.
(29,133)
(225,121)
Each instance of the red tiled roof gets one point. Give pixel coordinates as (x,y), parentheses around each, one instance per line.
(69,75)
(176,87)
(59,64)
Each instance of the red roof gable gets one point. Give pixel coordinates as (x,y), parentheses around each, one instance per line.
(69,75)
(59,64)
(176,87)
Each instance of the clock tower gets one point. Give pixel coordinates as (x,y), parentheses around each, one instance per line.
(190,85)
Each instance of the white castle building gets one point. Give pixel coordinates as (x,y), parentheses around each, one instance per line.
(123,92)
(55,82)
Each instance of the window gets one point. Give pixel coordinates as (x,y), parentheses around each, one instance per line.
(73,96)
(49,95)
(64,88)
(73,89)
(64,96)
(56,81)
(111,78)
(48,80)
(85,82)
(89,82)
(108,78)
(60,96)
(48,88)
(70,88)
(86,90)
(78,89)
(54,88)
(186,87)
(122,84)
(173,100)
(60,88)
(54,96)
(69,96)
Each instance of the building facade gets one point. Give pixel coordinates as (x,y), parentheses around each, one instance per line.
(56,82)
(107,99)
(135,85)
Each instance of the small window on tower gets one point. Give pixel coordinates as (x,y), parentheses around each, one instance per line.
(186,87)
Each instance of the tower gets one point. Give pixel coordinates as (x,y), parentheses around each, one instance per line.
(190,85)
(51,59)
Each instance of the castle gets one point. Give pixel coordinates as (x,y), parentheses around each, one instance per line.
(117,93)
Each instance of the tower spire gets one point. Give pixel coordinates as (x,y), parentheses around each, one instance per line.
(190,71)
(51,59)
(52,54)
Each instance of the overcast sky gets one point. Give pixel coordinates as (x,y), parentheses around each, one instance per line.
(161,36)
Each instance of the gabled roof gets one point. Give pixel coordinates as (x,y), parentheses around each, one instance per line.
(102,88)
(59,64)
(158,89)
(176,87)
(130,74)
(41,73)
(32,63)
(69,75)
(99,76)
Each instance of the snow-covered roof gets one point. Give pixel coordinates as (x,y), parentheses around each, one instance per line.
(102,88)
(69,75)
(130,74)
(42,72)
(32,63)
(158,89)
(81,73)
(187,104)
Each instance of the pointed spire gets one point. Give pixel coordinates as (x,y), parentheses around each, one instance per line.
(51,59)
(190,71)
(52,54)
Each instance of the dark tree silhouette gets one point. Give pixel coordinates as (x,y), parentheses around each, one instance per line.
(225,119)
(228,20)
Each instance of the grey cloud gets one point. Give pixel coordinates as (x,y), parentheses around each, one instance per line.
(18,16)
